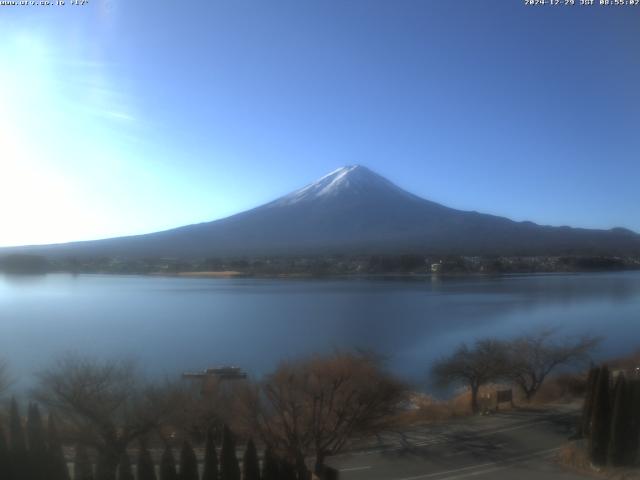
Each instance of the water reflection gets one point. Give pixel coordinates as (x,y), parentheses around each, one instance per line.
(176,324)
(20,279)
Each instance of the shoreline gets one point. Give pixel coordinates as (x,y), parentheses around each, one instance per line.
(412,276)
(233,274)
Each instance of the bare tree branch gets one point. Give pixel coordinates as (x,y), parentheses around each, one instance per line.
(534,356)
(316,406)
(106,404)
(473,366)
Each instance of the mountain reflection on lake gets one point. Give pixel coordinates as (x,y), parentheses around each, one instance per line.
(175,324)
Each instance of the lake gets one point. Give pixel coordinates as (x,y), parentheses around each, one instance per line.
(176,324)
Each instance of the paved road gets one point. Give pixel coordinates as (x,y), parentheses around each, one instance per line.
(512,445)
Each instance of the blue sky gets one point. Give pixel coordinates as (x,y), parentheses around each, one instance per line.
(129,117)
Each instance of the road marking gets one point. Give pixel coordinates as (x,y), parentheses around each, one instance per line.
(501,467)
(455,454)
(355,469)
(468,448)
(440,439)
(497,466)
(508,429)
(372,452)
(435,474)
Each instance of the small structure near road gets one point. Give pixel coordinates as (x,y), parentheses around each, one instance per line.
(222,373)
(503,396)
(213,376)
(629,372)
(490,401)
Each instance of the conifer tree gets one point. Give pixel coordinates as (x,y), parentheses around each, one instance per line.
(168,465)
(587,408)
(188,462)
(100,467)
(58,469)
(302,472)
(287,471)
(5,465)
(125,470)
(106,468)
(634,444)
(35,430)
(16,433)
(36,436)
(20,466)
(269,465)
(210,459)
(600,419)
(82,468)
(229,467)
(146,469)
(250,462)
(620,423)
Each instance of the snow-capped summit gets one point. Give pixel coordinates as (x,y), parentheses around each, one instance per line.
(351,180)
(353,210)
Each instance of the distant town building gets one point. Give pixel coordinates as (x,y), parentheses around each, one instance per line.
(211,377)
(630,372)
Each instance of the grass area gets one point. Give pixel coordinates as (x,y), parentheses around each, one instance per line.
(560,389)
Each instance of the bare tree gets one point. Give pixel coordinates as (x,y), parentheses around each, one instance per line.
(316,406)
(534,356)
(207,412)
(473,366)
(105,404)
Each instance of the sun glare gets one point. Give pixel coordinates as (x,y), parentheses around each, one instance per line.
(45,137)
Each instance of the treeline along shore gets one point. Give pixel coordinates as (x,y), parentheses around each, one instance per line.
(320,265)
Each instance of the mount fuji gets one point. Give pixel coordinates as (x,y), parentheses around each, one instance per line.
(353,210)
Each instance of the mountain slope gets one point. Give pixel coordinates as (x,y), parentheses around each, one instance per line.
(354,210)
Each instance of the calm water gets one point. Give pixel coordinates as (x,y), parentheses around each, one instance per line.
(173,324)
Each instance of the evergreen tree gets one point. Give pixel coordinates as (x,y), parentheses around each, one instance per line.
(302,472)
(35,430)
(107,464)
(146,469)
(125,470)
(188,462)
(20,466)
(287,471)
(82,468)
(5,465)
(587,408)
(100,468)
(229,468)
(168,465)
(269,465)
(620,422)
(600,419)
(38,454)
(634,443)
(16,433)
(250,462)
(210,459)
(58,469)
